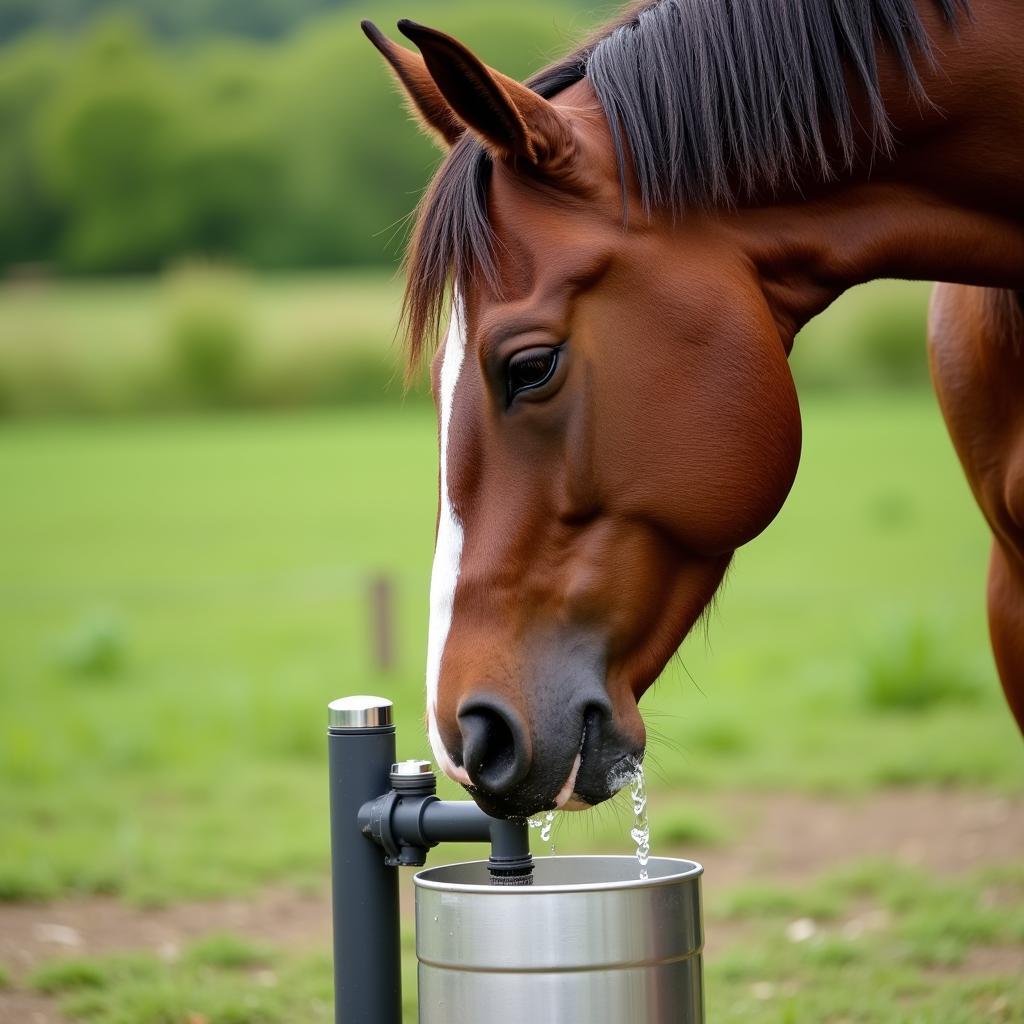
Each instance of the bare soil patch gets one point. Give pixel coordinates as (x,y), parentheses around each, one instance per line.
(22,1008)
(789,837)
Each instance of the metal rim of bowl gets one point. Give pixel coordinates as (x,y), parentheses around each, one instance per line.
(694,870)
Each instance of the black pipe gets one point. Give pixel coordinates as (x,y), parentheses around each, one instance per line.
(384,816)
(456,821)
(510,862)
(367,955)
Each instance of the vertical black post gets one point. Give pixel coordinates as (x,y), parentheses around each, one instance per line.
(367,954)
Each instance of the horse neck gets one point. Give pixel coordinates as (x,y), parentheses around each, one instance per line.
(946,206)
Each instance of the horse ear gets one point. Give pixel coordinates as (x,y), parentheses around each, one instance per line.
(510,118)
(428,105)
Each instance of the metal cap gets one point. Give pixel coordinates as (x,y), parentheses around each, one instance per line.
(359,713)
(406,769)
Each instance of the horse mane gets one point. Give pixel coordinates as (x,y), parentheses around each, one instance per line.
(709,102)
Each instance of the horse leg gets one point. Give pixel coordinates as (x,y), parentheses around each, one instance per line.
(1006,623)
(976,348)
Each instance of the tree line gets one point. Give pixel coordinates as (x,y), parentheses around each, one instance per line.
(122,152)
(254,19)
(191,19)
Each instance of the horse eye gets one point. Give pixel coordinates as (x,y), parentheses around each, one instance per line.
(530,370)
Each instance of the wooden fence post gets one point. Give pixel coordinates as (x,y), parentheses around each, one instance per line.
(382,621)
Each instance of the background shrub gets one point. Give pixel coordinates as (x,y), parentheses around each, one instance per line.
(95,647)
(208,334)
(892,342)
(872,336)
(912,670)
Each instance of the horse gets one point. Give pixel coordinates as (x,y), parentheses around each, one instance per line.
(628,244)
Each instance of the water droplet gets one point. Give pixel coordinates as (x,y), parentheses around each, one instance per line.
(545,832)
(545,825)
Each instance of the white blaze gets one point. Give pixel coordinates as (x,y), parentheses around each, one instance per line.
(448,553)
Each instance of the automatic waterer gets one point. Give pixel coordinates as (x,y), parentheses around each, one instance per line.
(502,941)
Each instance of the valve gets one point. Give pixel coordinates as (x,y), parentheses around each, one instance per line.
(410,820)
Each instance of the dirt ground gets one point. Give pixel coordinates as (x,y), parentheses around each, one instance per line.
(779,837)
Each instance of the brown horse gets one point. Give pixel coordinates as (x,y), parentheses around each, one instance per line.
(632,241)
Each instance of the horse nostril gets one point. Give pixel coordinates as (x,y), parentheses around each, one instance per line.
(495,746)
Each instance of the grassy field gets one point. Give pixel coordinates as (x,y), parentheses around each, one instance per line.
(179,598)
(183,598)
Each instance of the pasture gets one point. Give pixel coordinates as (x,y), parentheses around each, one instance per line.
(182,596)
(207,457)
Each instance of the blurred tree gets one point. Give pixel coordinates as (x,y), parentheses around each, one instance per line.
(253,19)
(355,163)
(29,215)
(16,17)
(122,156)
(231,166)
(20,16)
(111,136)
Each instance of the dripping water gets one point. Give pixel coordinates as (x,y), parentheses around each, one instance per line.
(641,830)
(545,824)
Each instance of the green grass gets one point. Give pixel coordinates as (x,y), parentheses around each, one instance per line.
(269,987)
(73,975)
(913,670)
(180,598)
(143,990)
(228,952)
(872,943)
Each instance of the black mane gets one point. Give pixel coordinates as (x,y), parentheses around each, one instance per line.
(710,101)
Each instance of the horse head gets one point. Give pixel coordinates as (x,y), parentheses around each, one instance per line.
(616,417)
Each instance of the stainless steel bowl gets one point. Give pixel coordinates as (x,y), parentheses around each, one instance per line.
(589,941)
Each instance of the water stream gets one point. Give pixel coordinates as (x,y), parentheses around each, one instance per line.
(641,831)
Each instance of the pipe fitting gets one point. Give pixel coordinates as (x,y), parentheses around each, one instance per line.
(410,820)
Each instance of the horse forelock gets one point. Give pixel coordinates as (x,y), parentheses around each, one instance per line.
(709,102)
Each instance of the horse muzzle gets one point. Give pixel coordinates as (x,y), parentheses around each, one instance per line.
(569,757)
